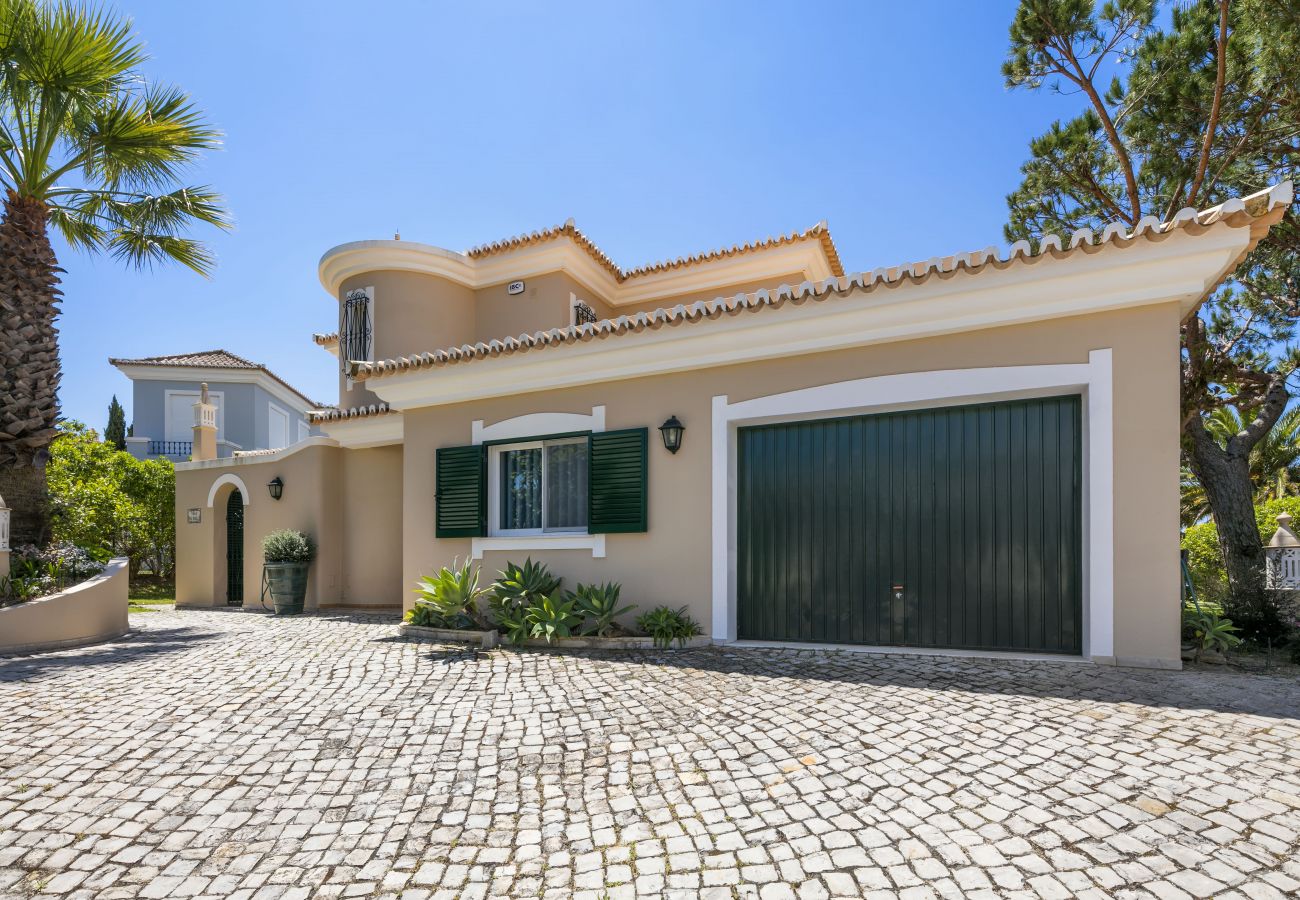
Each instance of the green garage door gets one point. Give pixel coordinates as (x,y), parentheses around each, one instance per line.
(956,527)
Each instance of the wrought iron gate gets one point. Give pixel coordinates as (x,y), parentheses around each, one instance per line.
(235,549)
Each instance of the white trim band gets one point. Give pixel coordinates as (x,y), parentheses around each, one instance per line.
(593,542)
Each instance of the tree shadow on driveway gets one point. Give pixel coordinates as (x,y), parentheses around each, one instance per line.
(774,670)
(138,645)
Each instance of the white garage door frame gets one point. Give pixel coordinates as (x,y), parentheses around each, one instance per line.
(950,387)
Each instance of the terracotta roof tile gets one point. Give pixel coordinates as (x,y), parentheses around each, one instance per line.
(819,232)
(1235,212)
(210,359)
(334,414)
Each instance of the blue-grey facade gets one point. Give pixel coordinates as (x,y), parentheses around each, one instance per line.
(255,410)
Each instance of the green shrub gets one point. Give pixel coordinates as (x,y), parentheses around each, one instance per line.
(519,587)
(552,617)
(1209,631)
(1201,541)
(666,625)
(598,606)
(287,545)
(449,599)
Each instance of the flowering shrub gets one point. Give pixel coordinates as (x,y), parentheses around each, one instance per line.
(35,572)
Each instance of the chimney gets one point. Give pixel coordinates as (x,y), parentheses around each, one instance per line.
(205,428)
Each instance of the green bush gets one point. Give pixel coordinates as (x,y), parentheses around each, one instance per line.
(666,625)
(598,606)
(449,599)
(1201,541)
(111,503)
(1209,631)
(287,545)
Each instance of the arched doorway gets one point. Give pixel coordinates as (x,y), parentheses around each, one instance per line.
(235,549)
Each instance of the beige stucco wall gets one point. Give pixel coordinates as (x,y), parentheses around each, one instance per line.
(416,313)
(371,521)
(95,610)
(413,313)
(672,562)
(348,500)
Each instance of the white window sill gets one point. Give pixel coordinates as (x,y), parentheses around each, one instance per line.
(593,542)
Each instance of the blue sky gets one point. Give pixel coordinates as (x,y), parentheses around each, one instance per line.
(663,128)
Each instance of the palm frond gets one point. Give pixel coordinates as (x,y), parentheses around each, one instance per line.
(85,133)
(142,249)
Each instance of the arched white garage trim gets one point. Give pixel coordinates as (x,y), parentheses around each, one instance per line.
(883,393)
(228,479)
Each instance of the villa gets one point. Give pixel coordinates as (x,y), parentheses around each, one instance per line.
(974,453)
(255,408)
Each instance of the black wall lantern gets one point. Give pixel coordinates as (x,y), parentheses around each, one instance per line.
(276,487)
(672,434)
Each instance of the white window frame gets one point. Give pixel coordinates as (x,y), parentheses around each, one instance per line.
(494,489)
(271,409)
(574,301)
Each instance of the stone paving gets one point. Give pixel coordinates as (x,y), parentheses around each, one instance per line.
(229,754)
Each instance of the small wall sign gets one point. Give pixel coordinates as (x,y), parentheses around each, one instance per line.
(515,287)
(194,516)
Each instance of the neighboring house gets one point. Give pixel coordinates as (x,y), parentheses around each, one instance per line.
(975,452)
(256,409)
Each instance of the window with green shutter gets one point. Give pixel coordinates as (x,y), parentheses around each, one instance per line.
(573,483)
(617,495)
(460,495)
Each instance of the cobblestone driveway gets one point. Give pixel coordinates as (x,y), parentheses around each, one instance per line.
(227,754)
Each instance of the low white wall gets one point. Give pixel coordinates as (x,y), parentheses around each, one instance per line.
(92,611)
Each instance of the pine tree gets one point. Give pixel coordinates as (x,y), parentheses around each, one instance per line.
(1181,104)
(115,430)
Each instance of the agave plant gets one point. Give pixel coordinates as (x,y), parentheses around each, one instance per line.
(552,617)
(1210,631)
(666,625)
(451,597)
(598,605)
(519,587)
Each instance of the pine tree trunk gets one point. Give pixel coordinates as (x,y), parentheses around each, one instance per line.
(29,378)
(1225,476)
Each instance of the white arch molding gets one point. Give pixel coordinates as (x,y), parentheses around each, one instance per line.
(228,479)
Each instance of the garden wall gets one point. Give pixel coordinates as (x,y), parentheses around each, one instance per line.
(95,610)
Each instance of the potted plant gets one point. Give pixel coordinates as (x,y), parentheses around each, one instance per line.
(286,554)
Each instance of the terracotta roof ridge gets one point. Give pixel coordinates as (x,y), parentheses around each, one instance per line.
(820,231)
(176,359)
(1236,212)
(568,228)
(179,361)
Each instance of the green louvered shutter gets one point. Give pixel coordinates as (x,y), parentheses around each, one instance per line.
(617,488)
(460,495)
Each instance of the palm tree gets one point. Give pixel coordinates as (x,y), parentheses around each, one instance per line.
(92,149)
(1274,461)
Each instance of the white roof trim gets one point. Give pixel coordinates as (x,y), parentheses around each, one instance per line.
(805,257)
(1180,268)
(213,375)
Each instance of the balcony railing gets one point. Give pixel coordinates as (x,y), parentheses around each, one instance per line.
(171,448)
